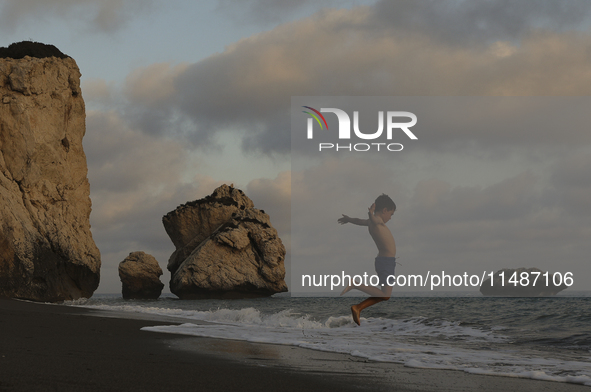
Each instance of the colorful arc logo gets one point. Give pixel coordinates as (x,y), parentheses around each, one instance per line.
(316,117)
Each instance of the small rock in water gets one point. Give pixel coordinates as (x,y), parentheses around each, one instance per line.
(140,275)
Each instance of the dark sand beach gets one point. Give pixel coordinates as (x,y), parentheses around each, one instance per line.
(60,348)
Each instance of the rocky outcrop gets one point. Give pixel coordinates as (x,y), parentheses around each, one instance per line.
(225,248)
(503,283)
(46,248)
(140,275)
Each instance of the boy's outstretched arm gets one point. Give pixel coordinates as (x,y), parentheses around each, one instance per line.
(355,221)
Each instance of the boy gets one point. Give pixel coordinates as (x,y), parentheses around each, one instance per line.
(380,213)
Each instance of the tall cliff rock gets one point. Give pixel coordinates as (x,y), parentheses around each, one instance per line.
(225,248)
(46,248)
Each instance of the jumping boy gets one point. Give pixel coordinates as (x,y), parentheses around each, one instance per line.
(380,213)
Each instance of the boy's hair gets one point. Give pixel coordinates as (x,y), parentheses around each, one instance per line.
(384,201)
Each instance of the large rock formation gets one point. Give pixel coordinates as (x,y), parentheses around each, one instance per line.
(225,248)
(510,282)
(140,275)
(46,248)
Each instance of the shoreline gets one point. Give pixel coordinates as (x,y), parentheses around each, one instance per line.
(57,347)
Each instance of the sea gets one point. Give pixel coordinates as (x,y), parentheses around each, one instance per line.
(545,338)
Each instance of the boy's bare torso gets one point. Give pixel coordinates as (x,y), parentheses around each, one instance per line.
(383,239)
(376,223)
(379,231)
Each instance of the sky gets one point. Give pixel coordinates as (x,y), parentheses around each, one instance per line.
(183,96)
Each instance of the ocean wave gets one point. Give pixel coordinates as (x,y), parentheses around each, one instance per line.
(417,326)
(373,343)
(425,342)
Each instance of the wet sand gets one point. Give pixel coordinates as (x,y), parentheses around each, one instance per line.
(60,348)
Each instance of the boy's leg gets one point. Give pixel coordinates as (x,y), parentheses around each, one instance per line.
(383,296)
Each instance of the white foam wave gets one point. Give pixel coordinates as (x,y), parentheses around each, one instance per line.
(384,346)
(416,342)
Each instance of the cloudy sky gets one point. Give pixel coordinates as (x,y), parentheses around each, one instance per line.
(183,96)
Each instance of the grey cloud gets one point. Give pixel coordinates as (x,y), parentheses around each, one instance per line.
(436,201)
(123,159)
(391,48)
(460,22)
(522,221)
(571,181)
(145,102)
(260,10)
(269,11)
(101,15)
(573,170)
(99,92)
(269,136)
(347,52)
(247,88)
(273,196)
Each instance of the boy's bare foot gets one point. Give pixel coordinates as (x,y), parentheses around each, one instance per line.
(355,313)
(347,289)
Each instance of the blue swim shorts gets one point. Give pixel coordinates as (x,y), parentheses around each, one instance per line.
(385,267)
